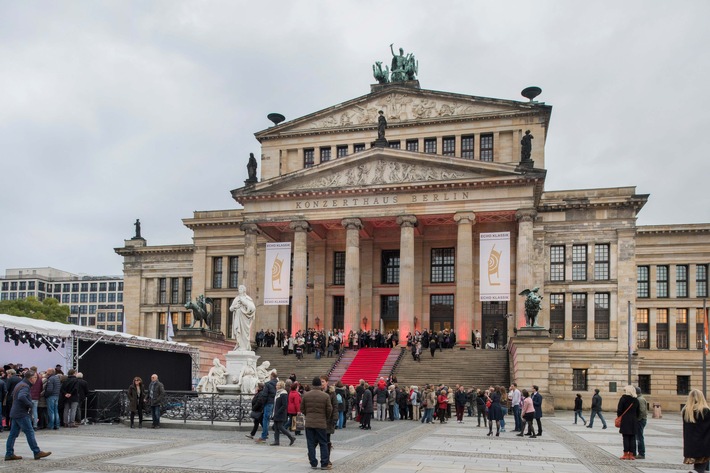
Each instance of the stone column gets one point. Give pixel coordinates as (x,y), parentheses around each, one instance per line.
(299,317)
(463,314)
(352,274)
(406,279)
(523,263)
(251,232)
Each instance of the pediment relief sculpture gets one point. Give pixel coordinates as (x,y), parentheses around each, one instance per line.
(399,107)
(383,172)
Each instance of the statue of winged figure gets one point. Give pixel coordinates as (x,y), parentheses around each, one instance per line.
(533,301)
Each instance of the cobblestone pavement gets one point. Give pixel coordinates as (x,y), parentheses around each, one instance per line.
(399,446)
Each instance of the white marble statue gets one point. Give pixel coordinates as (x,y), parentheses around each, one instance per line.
(263,372)
(217,376)
(248,380)
(243,311)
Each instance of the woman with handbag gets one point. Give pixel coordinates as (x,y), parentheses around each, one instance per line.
(294,407)
(257,409)
(626,421)
(696,431)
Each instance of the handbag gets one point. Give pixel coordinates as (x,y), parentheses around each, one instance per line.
(300,421)
(293,424)
(617,421)
(256,415)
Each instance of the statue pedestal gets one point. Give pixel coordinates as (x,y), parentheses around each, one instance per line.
(530,359)
(236,360)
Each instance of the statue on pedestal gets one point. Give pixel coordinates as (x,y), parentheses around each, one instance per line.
(526,147)
(248,380)
(217,376)
(533,301)
(243,311)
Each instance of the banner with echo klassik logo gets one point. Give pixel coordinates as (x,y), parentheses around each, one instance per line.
(495,266)
(277,273)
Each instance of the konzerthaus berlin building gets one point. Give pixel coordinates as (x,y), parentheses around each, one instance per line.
(394,233)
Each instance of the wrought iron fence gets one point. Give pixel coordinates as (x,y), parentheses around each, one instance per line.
(194,406)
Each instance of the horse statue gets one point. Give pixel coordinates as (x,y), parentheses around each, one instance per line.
(382,76)
(533,301)
(200,312)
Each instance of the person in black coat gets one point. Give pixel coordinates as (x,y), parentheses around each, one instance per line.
(257,409)
(136,401)
(366,408)
(696,431)
(280,414)
(628,410)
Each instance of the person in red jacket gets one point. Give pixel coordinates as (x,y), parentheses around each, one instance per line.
(442,402)
(294,404)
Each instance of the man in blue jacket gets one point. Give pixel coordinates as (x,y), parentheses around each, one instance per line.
(22,420)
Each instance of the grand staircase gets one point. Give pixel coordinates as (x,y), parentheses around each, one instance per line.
(367,364)
(305,370)
(472,368)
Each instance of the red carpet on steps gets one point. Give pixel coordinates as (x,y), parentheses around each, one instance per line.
(366,365)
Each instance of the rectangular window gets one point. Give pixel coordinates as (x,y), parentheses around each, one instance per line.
(601,316)
(5,286)
(579,316)
(413,145)
(217,315)
(681,280)
(120,286)
(579,262)
(187,319)
(74,298)
(557,316)
(395,144)
(449,146)
(66,287)
(338,312)
(681,329)
(174,291)
(601,262)
(217,272)
(683,385)
(31,285)
(84,298)
(75,287)
(102,286)
(390,267)
(642,336)
(701,280)
(579,379)
(467,147)
(443,267)
(92,309)
(65,298)
(699,329)
(339,268)
(187,290)
(341,151)
(642,282)
(57,288)
(102,297)
(662,329)
(487,148)
(325,154)
(308,157)
(101,317)
(662,281)
(430,145)
(112,286)
(85,287)
(645,383)
(357,147)
(233,272)
(557,263)
(13,286)
(162,291)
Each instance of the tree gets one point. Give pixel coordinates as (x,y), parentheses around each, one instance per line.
(48,309)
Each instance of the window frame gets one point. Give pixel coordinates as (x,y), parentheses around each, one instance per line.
(428,148)
(217,269)
(468,143)
(557,315)
(486,147)
(448,146)
(339,258)
(443,265)
(681,281)
(662,281)
(662,333)
(309,157)
(642,327)
(602,316)
(579,323)
(643,282)
(557,263)
(579,262)
(580,380)
(602,263)
(389,273)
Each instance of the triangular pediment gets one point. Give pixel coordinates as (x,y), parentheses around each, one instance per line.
(401,105)
(382,168)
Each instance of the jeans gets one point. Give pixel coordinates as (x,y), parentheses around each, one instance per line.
(53,412)
(579,414)
(381,411)
(601,417)
(155,411)
(518,419)
(428,415)
(268,409)
(35,418)
(341,419)
(396,412)
(70,411)
(24,424)
(639,437)
(313,437)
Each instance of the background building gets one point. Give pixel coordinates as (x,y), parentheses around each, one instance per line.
(94,301)
(386,233)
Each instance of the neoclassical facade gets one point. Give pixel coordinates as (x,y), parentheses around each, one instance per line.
(386,234)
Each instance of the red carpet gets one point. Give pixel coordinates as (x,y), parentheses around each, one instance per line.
(366,365)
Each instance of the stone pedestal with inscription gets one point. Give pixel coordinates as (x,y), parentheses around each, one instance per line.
(530,362)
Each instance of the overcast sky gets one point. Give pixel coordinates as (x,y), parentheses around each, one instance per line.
(112,111)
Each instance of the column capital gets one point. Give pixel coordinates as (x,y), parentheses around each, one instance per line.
(465,217)
(352,223)
(250,228)
(407,221)
(300,226)
(526,215)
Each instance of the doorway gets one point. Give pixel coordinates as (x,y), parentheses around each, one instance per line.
(493,318)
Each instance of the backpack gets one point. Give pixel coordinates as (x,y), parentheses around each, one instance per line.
(340,398)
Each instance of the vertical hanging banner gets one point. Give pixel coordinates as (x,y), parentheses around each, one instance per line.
(277,273)
(495,266)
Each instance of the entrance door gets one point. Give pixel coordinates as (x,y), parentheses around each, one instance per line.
(389,312)
(441,310)
(493,315)
(338,312)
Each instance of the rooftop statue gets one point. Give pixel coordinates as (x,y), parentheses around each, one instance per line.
(138,229)
(403,67)
(251,168)
(383,77)
(526,146)
(381,125)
